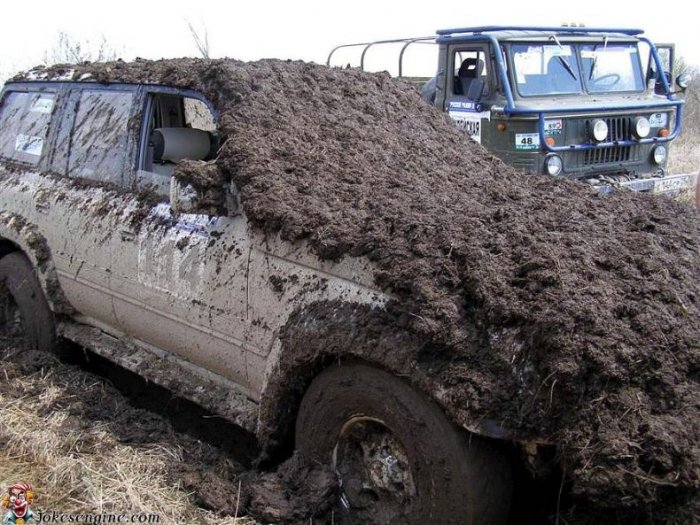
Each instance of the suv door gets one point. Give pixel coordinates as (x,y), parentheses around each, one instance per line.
(95,144)
(180,280)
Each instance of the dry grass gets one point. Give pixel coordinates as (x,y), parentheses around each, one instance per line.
(76,467)
(685,153)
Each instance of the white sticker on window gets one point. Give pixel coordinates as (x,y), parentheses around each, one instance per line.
(29,144)
(43,105)
(527,141)
(658,120)
(564,51)
(585,53)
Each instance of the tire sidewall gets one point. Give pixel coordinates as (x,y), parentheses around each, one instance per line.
(17,275)
(435,447)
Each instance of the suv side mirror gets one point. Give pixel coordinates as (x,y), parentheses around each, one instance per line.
(183,197)
(186,198)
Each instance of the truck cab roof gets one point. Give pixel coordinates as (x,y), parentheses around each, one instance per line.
(504,33)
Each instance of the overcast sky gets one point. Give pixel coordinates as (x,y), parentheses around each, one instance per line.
(305,29)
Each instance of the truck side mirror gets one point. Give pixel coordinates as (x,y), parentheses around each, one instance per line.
(683,81)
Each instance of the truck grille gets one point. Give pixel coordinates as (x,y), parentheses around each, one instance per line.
(619,128)
(607,155)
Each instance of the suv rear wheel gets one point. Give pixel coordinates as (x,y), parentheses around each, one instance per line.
(397,457)
(25,316)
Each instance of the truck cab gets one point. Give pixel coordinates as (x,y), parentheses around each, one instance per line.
(595,105)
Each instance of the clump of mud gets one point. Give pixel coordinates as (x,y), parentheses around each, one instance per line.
(560,314)
(207,183)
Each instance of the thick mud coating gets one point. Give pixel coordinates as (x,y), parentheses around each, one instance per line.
(560,314)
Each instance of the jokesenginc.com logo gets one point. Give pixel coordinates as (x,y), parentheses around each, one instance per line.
(17,501)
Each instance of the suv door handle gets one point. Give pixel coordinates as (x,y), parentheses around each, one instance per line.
(127,235)
(42,207)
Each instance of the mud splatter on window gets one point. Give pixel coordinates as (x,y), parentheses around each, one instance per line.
(99,139)
(24,121)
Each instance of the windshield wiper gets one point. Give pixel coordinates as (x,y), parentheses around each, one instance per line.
(595,56)
(564,62)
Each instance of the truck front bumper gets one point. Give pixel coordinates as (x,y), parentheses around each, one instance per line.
(683,187)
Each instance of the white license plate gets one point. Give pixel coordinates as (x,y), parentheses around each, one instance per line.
(673,184)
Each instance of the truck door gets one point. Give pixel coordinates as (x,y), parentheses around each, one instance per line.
(667,52)
(466,87)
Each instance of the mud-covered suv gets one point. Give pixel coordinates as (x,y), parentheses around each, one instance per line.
(322,258)
(102,244)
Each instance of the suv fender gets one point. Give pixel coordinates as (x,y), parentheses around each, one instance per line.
(17,234)
(327,332)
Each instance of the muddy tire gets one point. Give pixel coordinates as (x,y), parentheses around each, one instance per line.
(397,457)
(24,311)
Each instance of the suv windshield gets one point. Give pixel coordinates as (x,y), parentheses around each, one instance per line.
(612,68)
(544,69)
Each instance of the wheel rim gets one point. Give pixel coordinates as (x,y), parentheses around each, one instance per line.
(373,470)
(11,323)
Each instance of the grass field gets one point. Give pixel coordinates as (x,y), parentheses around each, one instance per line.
(76,463)
(685,153)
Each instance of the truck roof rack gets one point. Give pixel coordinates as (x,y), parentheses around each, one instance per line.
(442,35)
(558,29)
(405,41)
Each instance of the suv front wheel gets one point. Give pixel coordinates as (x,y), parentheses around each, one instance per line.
(25,315)
(397,457)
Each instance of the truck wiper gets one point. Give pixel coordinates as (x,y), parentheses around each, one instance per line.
(563,61)
(568,67)
(595,56)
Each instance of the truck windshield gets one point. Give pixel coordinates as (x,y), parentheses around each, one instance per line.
(546,69)
(612,68)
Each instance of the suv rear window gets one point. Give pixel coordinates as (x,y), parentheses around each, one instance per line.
(24,125)
(100,132)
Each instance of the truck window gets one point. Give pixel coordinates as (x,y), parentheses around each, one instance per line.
(98,144)
(470,74)
(179,128)
(612,68)
(24,125)
(546,69)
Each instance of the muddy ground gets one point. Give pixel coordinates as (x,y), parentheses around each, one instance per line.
(207,459)
(558,313)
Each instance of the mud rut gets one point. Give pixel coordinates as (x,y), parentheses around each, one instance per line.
(559,313)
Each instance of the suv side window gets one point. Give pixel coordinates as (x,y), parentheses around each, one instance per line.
(177,128)
(24,121)
(98,144)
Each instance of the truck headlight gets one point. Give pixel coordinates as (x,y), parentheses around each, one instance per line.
(600,130)
(659,154)
(553,164)
(642,127)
